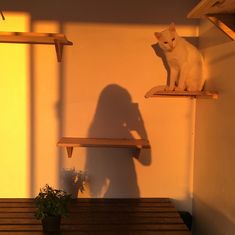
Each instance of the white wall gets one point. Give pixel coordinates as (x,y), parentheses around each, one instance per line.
(98,91)
(115,66)
(214,175)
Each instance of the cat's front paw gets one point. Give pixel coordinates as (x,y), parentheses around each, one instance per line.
(179,89)
(169,88)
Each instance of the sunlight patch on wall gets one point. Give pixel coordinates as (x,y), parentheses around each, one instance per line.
(46,108)
(14,122)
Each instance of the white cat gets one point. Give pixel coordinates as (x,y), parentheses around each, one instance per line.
(184,60)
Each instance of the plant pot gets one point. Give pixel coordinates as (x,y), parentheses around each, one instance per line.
(51,224)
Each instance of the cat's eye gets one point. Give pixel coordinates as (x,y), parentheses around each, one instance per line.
(173,39)
(165,42)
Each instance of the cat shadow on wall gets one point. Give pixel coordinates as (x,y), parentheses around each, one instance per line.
(112,170)
(158,51)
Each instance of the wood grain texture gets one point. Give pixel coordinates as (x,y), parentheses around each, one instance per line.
(33,38)
(103,142)
(178,94)
(151,216)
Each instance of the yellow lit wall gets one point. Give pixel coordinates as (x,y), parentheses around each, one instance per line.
(14,103)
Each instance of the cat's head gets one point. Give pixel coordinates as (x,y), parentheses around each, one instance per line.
(167,39)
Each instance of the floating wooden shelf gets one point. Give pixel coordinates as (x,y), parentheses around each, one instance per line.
(70,142)
(201,94)
(59,40)
(205,7)
(220,12)
(224,22)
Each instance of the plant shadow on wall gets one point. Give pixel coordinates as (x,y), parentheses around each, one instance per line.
(73,181)
(112,170)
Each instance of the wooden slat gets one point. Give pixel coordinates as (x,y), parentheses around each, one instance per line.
(87,204)
(96,209)
(99,227)
(84,214)
(100,233)
(98,220)
(97,200)
(94,205)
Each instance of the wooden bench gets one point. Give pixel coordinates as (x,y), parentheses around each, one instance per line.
(144,216)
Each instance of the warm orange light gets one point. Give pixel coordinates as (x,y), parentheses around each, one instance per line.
(122,54)
(14,80)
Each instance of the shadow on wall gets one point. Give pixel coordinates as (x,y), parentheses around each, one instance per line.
(208,221)
(112,170)
(73,181)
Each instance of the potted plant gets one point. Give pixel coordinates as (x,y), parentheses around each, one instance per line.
(51,204)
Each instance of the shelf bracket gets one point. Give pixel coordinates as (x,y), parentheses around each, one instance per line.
(59,50)
(159,92)
(69,151)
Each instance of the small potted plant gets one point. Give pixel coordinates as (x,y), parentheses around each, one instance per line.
(51,204)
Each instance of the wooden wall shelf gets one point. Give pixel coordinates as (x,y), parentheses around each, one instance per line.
(224,22)
(180,94)
(70,142)
(220,12)
(205,7)
(59,40)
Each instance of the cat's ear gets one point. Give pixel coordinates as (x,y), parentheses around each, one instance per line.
(157,35)
(172,27)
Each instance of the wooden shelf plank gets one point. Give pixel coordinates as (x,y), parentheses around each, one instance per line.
(175,94)
(57,39)
(33,38)
(224,22)
(220,12)
(205,7)
(71,142)
(103,142)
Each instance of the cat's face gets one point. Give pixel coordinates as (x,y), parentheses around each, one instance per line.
(167,39)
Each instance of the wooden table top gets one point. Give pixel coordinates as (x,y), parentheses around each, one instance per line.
(143,216)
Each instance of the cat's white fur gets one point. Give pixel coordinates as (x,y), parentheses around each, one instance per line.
(184,60)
